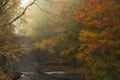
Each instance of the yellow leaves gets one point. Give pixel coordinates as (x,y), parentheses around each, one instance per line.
(102,42)
(96,23)
(80,15)
(10,55)
(14,57)
(88,40)
(79,55)
(100,35)
(11,51)
(2,35)
(85,35)
(88,58)
(91,48)
(41,45)
(114,44)
(1,32)
(70,50)
(116,8)
(83,56)
(47,44)
(99,9)
(105,36)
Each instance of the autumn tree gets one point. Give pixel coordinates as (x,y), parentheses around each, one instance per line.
(92,39)
(7,45)
(8,15)
(60,36)
(99,39)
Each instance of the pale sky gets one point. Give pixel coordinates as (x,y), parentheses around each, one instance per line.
(33,16)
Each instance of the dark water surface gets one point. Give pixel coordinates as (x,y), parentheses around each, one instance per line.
(39,66)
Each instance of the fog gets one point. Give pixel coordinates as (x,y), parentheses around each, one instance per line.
(41,14)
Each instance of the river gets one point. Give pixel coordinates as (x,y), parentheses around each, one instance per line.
(40,65)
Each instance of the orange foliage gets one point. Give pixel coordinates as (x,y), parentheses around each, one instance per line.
(47,44)
(80,55)
(101,20)
(69,50)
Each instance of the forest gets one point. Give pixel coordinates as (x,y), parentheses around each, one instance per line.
(70,37)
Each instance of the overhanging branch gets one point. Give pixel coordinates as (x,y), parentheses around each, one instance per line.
(6,10)
(45,10)
(3,3)
(17,17)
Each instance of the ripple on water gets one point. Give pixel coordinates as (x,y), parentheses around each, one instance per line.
(55,72)
(23,77)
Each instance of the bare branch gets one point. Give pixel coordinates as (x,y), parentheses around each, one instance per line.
(24,11)
(45,10)
(3,3)
(14,4)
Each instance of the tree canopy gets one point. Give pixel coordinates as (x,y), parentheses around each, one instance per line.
(86,33)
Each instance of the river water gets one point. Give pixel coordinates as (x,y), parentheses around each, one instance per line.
(34,67)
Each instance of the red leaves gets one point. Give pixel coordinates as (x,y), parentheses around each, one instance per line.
(95,2)
(103,16)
